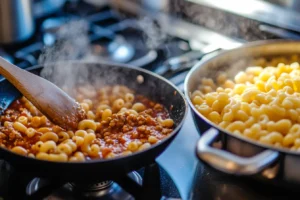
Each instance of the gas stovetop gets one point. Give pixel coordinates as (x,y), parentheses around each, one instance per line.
(95,34)
(160,43)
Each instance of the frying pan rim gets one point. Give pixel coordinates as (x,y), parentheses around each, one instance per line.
(98,161)
(223,53)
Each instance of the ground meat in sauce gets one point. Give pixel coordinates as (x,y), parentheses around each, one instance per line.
(125,130)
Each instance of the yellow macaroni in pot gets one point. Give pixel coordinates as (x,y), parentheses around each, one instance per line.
(262,104)
(245,103)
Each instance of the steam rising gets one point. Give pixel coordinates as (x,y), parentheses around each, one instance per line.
(155,35)
(62,61)
(72,44)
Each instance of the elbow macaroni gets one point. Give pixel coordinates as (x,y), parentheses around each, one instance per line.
(119,123)
(262,104)
(87,124)
(49,136)
(138,107)
(19,127)
(30,132)
(23,120)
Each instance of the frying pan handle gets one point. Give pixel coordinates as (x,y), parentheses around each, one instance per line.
(228,162)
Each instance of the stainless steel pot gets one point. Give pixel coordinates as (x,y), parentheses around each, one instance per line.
(16,20)
(240,155)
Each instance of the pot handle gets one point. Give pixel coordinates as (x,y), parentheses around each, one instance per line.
(228,162)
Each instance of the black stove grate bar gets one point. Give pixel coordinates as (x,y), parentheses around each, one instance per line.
(149,190)
(151,184)
(29,54)
(45,191)
(100,16)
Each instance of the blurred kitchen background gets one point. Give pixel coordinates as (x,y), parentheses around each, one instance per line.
(139,32)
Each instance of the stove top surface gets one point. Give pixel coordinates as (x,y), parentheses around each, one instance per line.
(15,185)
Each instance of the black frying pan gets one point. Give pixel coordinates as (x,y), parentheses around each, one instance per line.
(152,86)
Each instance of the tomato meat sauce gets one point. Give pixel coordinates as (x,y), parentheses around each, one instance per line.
(118,122)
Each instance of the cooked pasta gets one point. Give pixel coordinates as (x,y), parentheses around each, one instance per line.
(262,104)
(119,123)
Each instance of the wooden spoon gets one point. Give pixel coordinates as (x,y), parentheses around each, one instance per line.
(58,106)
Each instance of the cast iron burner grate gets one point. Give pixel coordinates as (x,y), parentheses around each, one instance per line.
(144,185)
(101,191)
(91,187)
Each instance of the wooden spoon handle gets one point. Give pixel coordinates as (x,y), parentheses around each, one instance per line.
(58,106)
(11,72)
(30,85)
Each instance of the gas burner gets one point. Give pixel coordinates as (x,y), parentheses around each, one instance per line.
(100,191)
(91,187)
(122,44)
(116,50)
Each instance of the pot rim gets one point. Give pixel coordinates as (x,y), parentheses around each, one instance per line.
(223,53)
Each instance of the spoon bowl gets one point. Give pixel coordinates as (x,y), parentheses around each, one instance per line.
(49,99)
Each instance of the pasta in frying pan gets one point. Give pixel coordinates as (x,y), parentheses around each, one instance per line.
(119,122)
